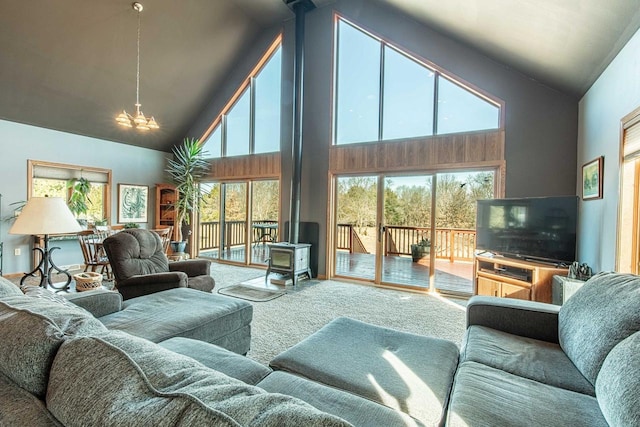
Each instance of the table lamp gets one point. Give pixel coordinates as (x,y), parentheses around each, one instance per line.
(45,216)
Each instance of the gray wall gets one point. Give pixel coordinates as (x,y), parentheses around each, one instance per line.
(615,94)
(541,123)
(19,142)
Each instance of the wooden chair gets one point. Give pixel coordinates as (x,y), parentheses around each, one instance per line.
(93,252)
(165,236)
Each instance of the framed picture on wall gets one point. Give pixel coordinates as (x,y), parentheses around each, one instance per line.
(133,203)
(592,179)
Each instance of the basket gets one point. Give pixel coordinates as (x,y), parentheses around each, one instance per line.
(87,281)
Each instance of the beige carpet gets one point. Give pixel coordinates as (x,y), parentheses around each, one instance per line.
(280,323)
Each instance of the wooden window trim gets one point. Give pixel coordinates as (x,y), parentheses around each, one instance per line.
(106,207)
(246,82)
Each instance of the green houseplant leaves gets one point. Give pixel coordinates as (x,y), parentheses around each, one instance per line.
(186,170)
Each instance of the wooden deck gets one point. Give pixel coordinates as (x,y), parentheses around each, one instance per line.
(449,276)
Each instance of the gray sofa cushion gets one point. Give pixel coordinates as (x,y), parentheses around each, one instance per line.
(21,408)
(618,384)
(541,361)
(181,312)
(356,410)
(406,372)
(485,396)
(98,302)
(119,379)
(222,360)
(7,288)
(600,315)
(31,331)
(45,294)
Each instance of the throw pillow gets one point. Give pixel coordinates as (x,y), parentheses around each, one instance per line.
(119,379)
(31,331)
(617,386)
(597,317)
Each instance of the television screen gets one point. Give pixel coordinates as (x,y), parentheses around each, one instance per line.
(537,228)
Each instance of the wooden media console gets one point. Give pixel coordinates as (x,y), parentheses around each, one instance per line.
(513,278)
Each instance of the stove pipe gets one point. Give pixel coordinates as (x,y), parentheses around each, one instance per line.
(299,7)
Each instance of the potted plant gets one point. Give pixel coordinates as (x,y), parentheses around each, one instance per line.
(79,197)
(420,250)
(186,170)
(131,225)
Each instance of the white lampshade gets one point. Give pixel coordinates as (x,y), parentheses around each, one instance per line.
(45,215)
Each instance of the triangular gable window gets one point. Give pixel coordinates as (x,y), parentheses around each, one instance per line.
(250,122)
(383,93)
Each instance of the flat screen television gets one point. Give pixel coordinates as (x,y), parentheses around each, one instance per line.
(535,228)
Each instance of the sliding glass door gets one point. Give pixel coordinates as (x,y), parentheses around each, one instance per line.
(407,230)
(415,231)
(356,243)
(225,231)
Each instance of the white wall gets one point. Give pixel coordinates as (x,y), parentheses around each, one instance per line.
(615,94)
(19,142)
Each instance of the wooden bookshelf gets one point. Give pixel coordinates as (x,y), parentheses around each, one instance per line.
(166,195)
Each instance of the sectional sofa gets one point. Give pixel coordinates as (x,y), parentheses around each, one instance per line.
(521,363)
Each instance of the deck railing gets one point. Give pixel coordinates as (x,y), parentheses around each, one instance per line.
(234,233)
(454,244)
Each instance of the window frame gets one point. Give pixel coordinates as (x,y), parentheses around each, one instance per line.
(438,71)
(247,84)
(76,171)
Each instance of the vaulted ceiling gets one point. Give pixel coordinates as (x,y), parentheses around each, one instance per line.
(71,66)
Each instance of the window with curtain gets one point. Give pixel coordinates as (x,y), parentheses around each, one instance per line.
(58,180)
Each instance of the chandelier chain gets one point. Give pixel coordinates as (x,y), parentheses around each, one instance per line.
(138,65)
(137,120)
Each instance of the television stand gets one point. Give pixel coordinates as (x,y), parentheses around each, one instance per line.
(515,278)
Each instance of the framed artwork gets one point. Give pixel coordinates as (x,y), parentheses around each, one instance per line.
(133,203)
(592,179)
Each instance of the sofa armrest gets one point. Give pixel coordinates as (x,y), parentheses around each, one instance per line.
(99,302)
(193,268)
(136,286)
(530,319)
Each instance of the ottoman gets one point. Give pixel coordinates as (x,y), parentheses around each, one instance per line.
(408,373)
(187,313)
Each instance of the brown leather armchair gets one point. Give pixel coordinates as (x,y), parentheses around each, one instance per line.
(141,267)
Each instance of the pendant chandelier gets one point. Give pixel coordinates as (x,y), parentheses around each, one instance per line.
(138,120)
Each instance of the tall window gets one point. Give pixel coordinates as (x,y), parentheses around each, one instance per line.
(628,258)
(383,93)
(250,124)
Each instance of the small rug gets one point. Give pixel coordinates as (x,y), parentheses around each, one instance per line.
(250,293)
